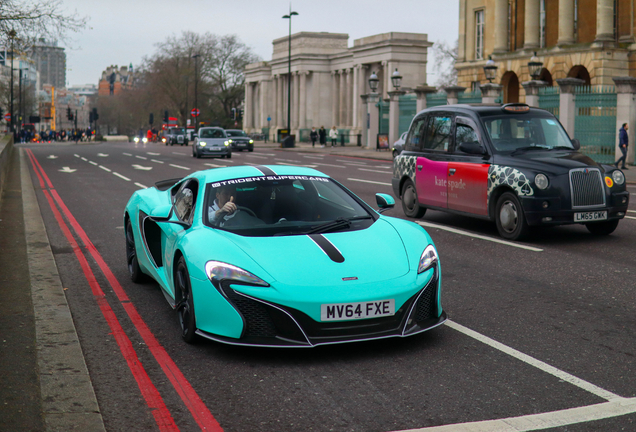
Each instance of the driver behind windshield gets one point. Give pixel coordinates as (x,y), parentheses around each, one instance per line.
(223,208)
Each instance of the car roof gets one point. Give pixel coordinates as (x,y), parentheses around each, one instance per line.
(238,172)
(480,109)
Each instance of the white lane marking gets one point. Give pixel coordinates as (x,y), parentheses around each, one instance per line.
(153,154)
(267,154)
(84,159)
(121,176)
(180,154)
(227,161)
(104,168)
(630,217)
(141,157)
(51,157)
(349,162)
(369,181)
(76,155)
(102,155)
(67,170)
(301,165)
(631,211)
(156,161)
(93,163)
(143,168)
(141,186)
(562,375)
(375,171)
(287,160)
(314,157)
(554,419)
(180,167)
(469,234)
(329,165)
(127,154)
(214,166)
(257,156)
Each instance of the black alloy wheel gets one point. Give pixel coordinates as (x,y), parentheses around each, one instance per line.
(602,228)
(510,219)
(185,308)
(410,203)
(136,275)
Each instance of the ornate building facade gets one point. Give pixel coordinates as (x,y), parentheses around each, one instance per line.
(328,79)
(114,79)
(592,40)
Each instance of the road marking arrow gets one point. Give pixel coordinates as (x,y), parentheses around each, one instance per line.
(102,155)
(67,170)
(139,167)
(52,157)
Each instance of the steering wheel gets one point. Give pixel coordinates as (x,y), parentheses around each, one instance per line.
(247,210)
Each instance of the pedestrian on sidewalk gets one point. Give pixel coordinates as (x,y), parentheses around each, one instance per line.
(333,135)
(623,142)
(313,135)
(322,133)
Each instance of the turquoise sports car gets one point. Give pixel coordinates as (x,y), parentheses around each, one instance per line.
(282,256)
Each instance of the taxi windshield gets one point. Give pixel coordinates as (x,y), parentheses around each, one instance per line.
(509,133)
(283,205)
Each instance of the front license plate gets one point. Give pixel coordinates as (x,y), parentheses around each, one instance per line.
(242,144)
(215,148)
(590,216)
(355,311)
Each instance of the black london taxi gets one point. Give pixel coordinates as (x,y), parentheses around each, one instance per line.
(512,164)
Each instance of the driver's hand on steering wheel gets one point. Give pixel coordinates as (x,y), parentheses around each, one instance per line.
(227,209)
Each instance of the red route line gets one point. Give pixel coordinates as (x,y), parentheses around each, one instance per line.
(191,399)
(151,395)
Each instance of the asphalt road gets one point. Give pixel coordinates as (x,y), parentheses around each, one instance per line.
(537,327)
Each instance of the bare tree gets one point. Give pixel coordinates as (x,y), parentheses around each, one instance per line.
(444,58)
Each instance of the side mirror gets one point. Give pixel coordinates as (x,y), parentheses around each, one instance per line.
(161,212)
(472,147)
(384,201)
(576,143)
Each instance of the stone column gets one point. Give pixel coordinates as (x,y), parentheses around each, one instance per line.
(361,90)
(295,102)
(604,21)
(275,115)
(374,120)
(531,25)
(363,126)
(394,115)
(302,104)
(501,26)
(453,94)
(532,91)
(348,97)
(279,102)
(264,103)
(626,113)
(490,92)
(342,94)
(355,96)
(249,108)
(420,94)
(567,108)
(334,99)
(566,22)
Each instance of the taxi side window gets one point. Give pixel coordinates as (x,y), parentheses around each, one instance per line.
(414,138)
(465,134)
(438,133)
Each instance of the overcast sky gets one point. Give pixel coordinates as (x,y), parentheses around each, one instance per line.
(120,32)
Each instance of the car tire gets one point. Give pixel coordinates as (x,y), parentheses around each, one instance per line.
(229,155)
(185,308)
(602,228)
(509,217)
(136,275)
(250,150)
(198,154)
(394,154)
(410,203)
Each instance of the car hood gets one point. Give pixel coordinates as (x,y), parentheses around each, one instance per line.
(374,254)
(213,141)
(554,162)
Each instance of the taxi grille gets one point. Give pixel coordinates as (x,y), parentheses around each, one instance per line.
(586,187)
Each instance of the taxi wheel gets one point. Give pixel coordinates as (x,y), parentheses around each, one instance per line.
(410,204)
(185,308)
(511,222)
(602,228)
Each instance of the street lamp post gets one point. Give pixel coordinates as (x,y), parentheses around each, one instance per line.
(373,85)
(12,34)
(196,80)
(289,16)
(20,104)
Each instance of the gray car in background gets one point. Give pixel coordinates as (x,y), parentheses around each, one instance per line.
(211,141)
(398,146)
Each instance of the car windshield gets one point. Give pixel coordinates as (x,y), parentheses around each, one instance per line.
(284,205)
(235,133)
(212,133)
(509,133)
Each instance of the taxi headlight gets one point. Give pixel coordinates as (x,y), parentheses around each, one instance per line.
(202,143)
(618,177)
(541,180)
(428,259)
(251,141)
(219,271)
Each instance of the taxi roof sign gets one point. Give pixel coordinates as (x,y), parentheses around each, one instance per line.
(516,107)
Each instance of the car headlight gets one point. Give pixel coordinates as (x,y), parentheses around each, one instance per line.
(618,177)
(230,141)
(227,143)
(428,259)
(145,140)
(251,141)
(202,143)
(541,180)
(219,271)
(136,139)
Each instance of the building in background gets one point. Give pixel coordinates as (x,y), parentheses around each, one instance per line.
(114,79)
(592,40)
(50,62)
(64,99)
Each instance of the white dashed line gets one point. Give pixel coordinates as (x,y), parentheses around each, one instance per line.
(314,157)
(153,154)
(375,171)
(156,161)
(76,155)
(328,165)
(93,163)
(257,156)
(349,162)
(369,181)
(127,154)
(630,217)
(84,159)
(142,157)
(104,168)
(180,154)
(491,239)
(214,166)
(287,160)
(141,186)
(267,154)
(180,167)
(121,176)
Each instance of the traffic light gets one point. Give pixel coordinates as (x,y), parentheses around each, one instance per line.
(69,114)
(165,117)
(151,120)
(233,113)
(95,115)
(90,116)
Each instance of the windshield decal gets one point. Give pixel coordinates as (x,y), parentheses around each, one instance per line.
(269,178)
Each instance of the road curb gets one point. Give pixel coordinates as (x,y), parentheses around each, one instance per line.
(68,397)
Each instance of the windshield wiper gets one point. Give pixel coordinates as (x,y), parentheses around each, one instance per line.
(335,225)
(562,148)
(534,147)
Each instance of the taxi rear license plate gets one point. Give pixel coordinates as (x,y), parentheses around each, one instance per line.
(590,216)
(355,311)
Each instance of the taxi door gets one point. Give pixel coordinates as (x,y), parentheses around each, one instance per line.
(467,184)
(431,167)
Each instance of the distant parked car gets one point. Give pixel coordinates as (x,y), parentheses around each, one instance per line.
(398,146)
(240,140)
(177,136)
(211,141)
